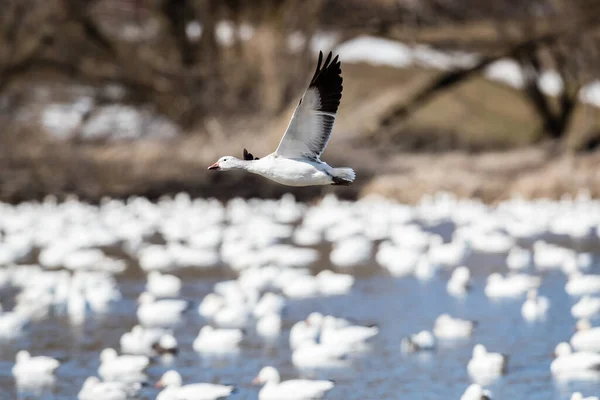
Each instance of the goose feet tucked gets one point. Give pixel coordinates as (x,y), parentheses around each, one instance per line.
(342,176)
(337,181)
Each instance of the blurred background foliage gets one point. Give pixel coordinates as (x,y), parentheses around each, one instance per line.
(120,97)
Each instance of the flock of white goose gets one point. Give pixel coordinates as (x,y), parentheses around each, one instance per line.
(55,255)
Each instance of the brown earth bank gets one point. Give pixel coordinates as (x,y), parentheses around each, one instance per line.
(32,168)
(478,139)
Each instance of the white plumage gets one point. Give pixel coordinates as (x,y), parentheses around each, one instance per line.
(174,390)
(295,389)
(296,162)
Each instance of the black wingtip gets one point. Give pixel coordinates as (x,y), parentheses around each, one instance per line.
(328,80)
(327,60)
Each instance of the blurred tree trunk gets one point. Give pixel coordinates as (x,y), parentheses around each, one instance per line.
(537,45)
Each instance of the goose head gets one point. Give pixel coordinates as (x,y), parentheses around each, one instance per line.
(474,391)
(108,355)
(315,319)
(146,298)
(205,330)
(266,375)
(562,349)
(461,275)
(495,278)
(169,378)
(167,342)
(22,356)
(227,163)
(91,382)
(583,325)
(479,351)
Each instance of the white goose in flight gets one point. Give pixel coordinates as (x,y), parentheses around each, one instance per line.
(296,161)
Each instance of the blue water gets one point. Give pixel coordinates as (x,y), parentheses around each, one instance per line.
(399,306)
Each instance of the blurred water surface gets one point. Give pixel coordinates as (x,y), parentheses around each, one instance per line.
(399,306)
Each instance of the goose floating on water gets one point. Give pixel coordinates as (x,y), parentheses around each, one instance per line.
(486,363)
(333,334)
(423,340)
(587,338)
(579,396)
(446,327)
(459,283)
(294,389)
(121,368)
(93,389)
(574,364)
(26,365)
(586,307)
(535,307)
(211,340)
(296,162)
(476,392)
(174,390)
(161,313)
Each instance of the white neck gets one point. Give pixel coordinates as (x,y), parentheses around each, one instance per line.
(240,164)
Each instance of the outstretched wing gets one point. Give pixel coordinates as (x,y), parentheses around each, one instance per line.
(310,128)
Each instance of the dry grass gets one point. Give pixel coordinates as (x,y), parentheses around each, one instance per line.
(492,176)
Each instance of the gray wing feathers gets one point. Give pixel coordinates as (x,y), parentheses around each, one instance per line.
(310,128)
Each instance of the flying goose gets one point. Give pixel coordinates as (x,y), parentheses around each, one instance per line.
(296,161)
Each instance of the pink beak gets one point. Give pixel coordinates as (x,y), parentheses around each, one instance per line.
(158,384)
(256,381)
(215,166)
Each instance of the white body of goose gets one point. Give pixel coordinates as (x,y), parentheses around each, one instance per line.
(571,363)
(586,307)
(446,327)
(121,368)
(587,338)
(486,363)
(26,365)
(332,334)
(580,284)
(295,389)
(174,390)
(269,303)
(211,303)
(269,326)
(211,340)
(296,162)
(310,354)
(94,389)
(12,324)
(302,331)
(476,392)
(161,313)
(510,286)
(140,340)
(519,258)
(163,285)
(535,307)
(579,396)
(458,284)
(423,340)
